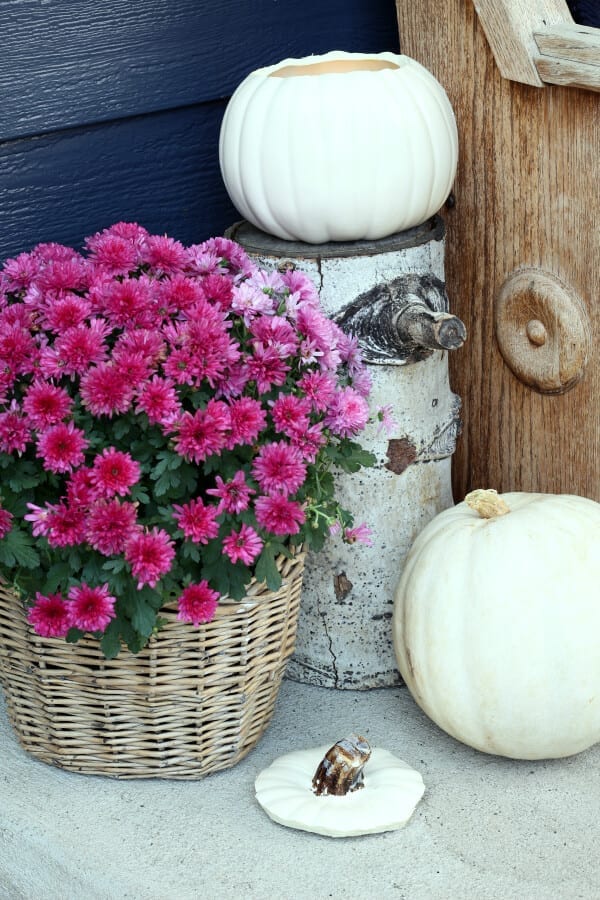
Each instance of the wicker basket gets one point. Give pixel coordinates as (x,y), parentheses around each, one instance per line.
(194,701)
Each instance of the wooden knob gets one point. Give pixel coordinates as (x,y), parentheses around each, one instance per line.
(543,330)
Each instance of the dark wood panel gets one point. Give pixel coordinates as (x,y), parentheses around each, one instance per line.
(160,170)
(73,62)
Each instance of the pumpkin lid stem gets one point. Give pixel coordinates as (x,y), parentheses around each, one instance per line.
(341,770)
(487,503)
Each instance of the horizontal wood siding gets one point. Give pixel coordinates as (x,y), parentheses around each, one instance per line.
(111,111)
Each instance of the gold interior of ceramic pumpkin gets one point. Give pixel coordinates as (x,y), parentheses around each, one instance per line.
(334,66)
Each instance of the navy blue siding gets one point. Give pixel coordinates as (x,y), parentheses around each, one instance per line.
(111,111)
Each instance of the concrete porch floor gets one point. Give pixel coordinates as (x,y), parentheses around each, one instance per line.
(486,828)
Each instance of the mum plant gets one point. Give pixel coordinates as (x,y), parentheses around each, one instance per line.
(170,420)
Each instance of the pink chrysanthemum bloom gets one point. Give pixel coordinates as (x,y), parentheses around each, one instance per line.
(243,546)
(50,616)
(348,414)
(75,350)
(231,252)
(114,254)
(92,608)
(279,515)
(80,488)
(134,367)
(362,382)
(178,293)
(360,534)
(300,284)
(114,472)
(110,525)
(267,368)
(201,262)
(20,271)
(106,391)
(65,312)
(164,254)
(279,469)
(196,520)
(197,603)
(65,525)
(276,332)
(64,273)
(158,399)
(15,433)
(127,303)
(149,553)
(147,342)
(38,516)
(218,289)
(18,350)
(46,404)
(309,442)
(249,301)
(290,414)
(386,419)
(248,418)
(6,520)
(203,433)
(61,447)
(234,495)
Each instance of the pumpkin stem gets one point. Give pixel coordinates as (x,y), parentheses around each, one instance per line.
(341,770)
(488,504)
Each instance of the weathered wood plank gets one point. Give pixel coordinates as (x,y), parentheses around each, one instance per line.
(569,74)
(160,170)
(570,42)
(509,26)
(72,63)
(527,194)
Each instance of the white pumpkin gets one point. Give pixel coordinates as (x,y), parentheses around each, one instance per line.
(339,147)
(386,802)
(496,623)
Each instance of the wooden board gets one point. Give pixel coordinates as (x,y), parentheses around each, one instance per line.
(527,194)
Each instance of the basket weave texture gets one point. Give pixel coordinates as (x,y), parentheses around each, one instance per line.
(194,701)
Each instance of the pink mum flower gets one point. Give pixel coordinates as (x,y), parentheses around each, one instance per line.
(65,312)
(114,472)
(15,433)
(61,447)
(248,419)
(158,399)
(320,389)
(149,553)
(267,368)
(387,421)
(197,603)
(46,404)
(197,520)
(164,254)
(75,350)
(279,515)
(127,303)
(106,391)
(348,414)
(309,442)
(39,518)
(6,520)
(244,545)
(290,414)
(110,525)
(218,289)
(203,433)
(360,534)
(92,608)
(50,616)
(278,468)
(81,490)
(234,495)
(65,525)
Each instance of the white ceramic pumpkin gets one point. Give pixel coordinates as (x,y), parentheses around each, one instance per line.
(496,623)
(339,147)
(387,800)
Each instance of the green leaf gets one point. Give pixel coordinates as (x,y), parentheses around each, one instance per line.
(110,642)
(16,548)
(58,577)
(266,569)
(143,619)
